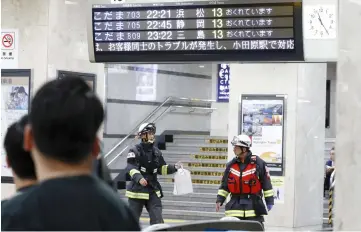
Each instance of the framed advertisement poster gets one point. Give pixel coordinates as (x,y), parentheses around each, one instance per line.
(262,118)
(15,102)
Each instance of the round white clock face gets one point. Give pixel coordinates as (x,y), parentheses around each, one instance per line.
(320,22)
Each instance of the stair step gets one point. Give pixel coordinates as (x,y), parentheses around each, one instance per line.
(204,166)
(220,159)
(191,205)
(201,141)
(203,153)
(198,143)
(196,197)
(197,188)
(182,136)
(217,176)
(190,146)
(188,214)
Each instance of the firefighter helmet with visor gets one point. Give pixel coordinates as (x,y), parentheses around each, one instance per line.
(242,141)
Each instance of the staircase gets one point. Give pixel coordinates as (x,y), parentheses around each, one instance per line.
(206,157)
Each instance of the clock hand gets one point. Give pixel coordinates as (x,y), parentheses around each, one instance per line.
(319,19)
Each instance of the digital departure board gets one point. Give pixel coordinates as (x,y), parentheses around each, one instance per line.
(197,31)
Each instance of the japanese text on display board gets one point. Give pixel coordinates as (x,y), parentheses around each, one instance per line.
(193,26)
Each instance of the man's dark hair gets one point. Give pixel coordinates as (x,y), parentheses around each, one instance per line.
(19,159)
(65,117)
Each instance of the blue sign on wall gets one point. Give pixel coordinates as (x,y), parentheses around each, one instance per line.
(223,83)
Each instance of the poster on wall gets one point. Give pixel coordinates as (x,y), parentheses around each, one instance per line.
(223,79)
(278,183)
(262,118)
(15,101)
(146,78)
(9,48)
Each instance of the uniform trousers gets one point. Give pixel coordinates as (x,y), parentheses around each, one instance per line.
(153,206)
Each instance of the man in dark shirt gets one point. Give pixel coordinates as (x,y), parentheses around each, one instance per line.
(17,158)
(62,137)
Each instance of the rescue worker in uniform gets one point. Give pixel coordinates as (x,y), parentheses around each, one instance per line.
(144,163)
(247,180)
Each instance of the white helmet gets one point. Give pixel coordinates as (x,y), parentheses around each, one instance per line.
(242,140)
(146,127)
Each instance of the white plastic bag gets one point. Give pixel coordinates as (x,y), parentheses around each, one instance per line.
(182,182)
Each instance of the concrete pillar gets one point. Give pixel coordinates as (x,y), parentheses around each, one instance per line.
(304,86)
(348,115)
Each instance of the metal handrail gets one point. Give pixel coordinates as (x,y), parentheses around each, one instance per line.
(149,116)
(135,129)
(126,147)
(196,99)
(195,107)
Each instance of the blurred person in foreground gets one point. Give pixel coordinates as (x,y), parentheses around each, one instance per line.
(19,160)
(62,138)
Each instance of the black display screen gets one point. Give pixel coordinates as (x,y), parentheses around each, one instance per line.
(198,31)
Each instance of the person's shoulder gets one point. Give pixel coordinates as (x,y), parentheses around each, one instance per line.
(258,160)
(19,206)
(232,161)
(157,151)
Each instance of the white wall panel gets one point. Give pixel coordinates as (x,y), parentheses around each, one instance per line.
(123,86)
(122,118)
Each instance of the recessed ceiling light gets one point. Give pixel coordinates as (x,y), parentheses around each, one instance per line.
(201,66)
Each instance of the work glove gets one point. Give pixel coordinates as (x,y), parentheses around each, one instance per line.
(269,207)
(178,165)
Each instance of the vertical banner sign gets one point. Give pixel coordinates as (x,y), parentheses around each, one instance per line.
(15,97)
(262,119)
(223,78)
(9,48)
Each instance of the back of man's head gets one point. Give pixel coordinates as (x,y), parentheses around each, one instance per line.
(64,118)
(18,159)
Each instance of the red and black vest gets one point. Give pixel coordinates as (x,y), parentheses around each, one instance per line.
(245,181)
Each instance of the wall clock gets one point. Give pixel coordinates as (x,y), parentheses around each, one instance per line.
(320,22)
